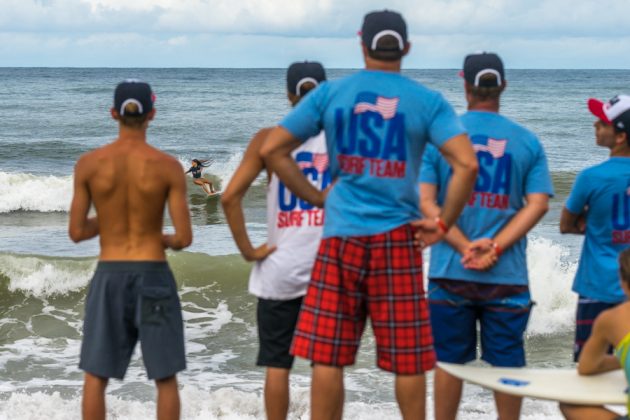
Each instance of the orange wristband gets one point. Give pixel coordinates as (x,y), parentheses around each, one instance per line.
(497,249)
(441,225)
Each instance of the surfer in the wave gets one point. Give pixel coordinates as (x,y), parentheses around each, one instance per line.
(133,295)
(283,264)
(611,328)
(195,169)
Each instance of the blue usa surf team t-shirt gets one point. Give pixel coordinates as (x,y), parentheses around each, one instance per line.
(512,164)
(377,124)
(605,190)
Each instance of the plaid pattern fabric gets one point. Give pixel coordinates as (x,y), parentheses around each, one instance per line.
(379,276)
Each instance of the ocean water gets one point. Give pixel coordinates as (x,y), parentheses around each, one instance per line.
(51,116)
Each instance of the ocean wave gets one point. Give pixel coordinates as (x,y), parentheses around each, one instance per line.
(550,279)
(27,192)
(219,170)
(550,272)
(49,193)
(42,276)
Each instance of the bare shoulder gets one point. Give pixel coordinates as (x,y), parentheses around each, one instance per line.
(166,164)
(87,161)
(607,324)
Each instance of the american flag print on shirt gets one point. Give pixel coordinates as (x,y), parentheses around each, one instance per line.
(496,148)
(387,107)
(319,161)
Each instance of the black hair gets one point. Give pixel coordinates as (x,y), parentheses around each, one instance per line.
(202,162)
(387,49)
(485,93)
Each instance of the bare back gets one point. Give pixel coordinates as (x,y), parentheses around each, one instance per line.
(129,183)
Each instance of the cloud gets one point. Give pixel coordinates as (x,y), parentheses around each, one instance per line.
(263,33)
(322,18)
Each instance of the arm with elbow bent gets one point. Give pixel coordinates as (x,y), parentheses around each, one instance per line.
(231,200)
(594,358)
(572,223)
(276,152)
(178,210)
(522,222)
(460,155)
(430,210)
(81,227)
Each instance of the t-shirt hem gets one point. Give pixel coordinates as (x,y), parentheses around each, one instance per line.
(494,280)
(601,298)
(263,295)
(364,231)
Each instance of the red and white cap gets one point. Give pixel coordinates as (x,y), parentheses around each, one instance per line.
(615,112)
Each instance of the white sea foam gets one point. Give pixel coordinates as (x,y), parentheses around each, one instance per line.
(550,276)
(44,277)
(21,191)
(231,404)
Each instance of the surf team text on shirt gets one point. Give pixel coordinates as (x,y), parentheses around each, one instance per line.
(295,212)
(360,147)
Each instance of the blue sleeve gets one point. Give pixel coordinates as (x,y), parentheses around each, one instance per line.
(578,198)
(429,169)
(538,178)
(305,120)
(445,123)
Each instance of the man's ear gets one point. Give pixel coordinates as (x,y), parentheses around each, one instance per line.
(406,49)
(622,138)
(151,114)
(114,113)
(364,50)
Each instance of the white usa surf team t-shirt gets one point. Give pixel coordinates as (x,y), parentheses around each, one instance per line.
(377,124)
(294,226)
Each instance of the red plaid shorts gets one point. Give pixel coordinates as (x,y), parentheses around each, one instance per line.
(379,276)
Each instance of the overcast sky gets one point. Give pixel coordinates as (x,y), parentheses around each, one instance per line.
(273,33)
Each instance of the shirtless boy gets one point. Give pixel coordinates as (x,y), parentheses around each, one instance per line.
(133,294)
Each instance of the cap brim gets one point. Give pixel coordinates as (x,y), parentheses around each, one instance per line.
(597,108)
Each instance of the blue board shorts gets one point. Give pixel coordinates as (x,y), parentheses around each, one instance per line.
(501,310)
(587,311)
(126,302)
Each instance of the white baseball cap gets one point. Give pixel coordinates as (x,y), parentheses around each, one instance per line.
(615,112)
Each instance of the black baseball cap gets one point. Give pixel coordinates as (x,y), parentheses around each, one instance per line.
(380,25)
(615,112)
(479,64)
(133,91)
(302,72)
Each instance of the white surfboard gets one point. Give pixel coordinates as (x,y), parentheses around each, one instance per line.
(215,194)
(564,385)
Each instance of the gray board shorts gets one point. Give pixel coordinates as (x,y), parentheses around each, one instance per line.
(128,301)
